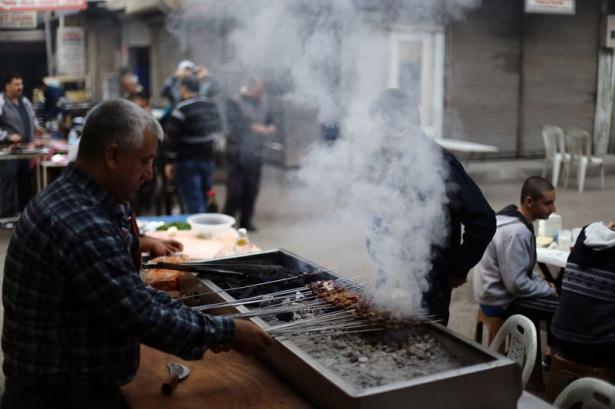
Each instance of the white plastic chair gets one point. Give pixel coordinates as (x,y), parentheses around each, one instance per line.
(580,147)
(522,343)
(591,393)
(555,151)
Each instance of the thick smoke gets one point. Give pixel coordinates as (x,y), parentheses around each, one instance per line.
(384,175)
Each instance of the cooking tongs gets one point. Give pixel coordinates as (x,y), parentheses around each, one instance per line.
(199,268)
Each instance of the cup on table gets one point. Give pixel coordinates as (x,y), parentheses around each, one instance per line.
(564,240)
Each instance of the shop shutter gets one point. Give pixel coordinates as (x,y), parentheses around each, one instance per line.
(482,76)
(560,72)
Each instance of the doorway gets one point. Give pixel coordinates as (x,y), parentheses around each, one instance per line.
(417,67)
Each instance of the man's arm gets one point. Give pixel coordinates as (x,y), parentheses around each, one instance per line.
(514,261)
(167,89)
(174,129)
(478,221)
(104,278)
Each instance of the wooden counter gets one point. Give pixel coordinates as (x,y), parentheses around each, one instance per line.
(225,380)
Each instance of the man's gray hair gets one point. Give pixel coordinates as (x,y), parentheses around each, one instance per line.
(116,121)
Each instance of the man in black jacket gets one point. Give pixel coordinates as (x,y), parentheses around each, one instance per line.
(465,206)
(250,123)
(191,130)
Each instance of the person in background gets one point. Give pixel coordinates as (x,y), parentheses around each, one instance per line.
(192,129)
(145,198)
(249,124)
(505,282)
(50,96)
(129,84)
(18,127)
(208,87)
(75,307)
(583,326)
(471,221)
(141,99)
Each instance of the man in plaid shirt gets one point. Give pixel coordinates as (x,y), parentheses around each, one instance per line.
(75,307)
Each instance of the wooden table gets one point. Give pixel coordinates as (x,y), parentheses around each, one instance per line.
(226,380)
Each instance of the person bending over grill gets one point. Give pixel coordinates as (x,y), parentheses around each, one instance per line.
(466,209)
(75,308)
(504,280)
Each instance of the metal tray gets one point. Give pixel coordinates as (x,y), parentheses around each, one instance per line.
(490,382)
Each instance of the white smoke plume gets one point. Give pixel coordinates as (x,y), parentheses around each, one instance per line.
(386,178)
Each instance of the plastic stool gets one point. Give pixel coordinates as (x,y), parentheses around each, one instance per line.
(493,326)
(561,365)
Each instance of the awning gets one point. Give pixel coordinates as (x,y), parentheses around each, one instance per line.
(42,5)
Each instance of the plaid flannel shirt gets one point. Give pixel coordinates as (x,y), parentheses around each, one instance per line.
(75,307)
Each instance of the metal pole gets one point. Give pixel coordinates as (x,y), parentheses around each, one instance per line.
(48,43)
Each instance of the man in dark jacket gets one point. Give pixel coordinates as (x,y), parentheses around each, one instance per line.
(250,123)
(17,126)
(192,130)
(465,207)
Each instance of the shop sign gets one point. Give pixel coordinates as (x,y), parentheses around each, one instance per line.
(71,51)
(42,5)
(18,19)
(550,6)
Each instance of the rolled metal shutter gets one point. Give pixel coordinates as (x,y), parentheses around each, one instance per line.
(482,76)
(560,66)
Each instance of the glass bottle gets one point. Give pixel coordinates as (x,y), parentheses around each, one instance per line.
(242,244)
(212,203)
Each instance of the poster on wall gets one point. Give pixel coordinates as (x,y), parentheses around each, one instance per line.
(18,19)
(42,5)
(71,51)
(550,6)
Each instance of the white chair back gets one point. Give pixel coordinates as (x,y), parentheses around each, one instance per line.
(522,343)
(591,393)
(555,150)
(579,143)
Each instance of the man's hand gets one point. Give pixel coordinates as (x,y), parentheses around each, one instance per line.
(262,129)
(201,72)
(15,138)
(454,281)
(159,247)
(249,338)
(169,171)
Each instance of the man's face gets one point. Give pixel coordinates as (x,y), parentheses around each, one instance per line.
(543,207)
(14,89)
(130,169)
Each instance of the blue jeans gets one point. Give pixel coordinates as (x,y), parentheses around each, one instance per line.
(193,179)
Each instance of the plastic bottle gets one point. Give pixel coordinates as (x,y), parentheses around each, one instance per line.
(212,203)
(242,245)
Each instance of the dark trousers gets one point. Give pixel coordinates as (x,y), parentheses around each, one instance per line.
(243,183)
(15,186)
(437,300)
(536,309)
(194,178)
(63,396)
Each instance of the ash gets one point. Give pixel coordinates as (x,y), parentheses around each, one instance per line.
(376,359)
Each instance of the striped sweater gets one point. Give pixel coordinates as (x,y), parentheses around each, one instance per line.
(587,301)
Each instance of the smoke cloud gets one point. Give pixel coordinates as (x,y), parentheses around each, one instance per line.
(385,178)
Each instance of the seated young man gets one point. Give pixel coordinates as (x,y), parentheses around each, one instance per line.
(504,280)
(583,325)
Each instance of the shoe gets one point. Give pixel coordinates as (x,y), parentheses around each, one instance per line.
(250,227)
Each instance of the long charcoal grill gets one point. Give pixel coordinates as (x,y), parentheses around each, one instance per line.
(488,381)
